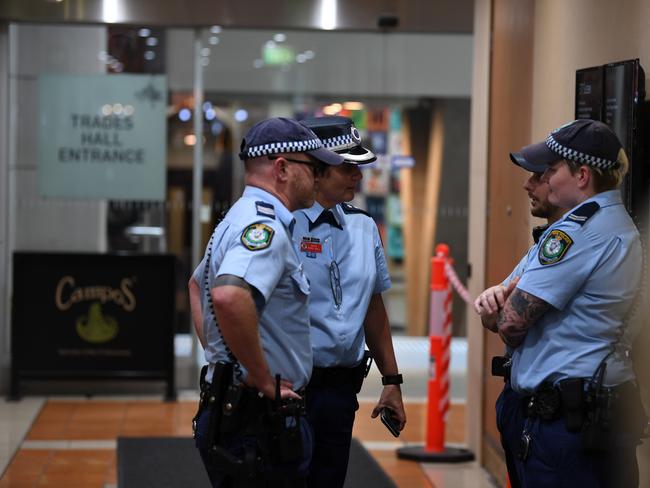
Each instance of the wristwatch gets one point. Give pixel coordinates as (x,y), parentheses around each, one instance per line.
(392,379)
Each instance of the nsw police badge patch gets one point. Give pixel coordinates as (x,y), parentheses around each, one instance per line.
(554,247)
(257,236)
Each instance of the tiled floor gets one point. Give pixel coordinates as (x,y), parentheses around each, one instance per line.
(71,443)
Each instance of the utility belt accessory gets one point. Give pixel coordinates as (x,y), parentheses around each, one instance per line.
(240,411)
(341,377)
(501,366)
(598,413)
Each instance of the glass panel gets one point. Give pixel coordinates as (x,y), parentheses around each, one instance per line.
(391,85)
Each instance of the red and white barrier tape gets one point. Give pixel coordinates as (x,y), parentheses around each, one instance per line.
(458,286)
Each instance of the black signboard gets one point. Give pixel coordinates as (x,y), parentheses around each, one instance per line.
(589,93)
(93,316)
(614,94)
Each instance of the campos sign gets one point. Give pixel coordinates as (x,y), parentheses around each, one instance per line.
(93,316)
(102,136)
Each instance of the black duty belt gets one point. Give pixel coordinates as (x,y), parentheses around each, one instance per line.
(342,377)
(251,399)
(550,402)
(333,377)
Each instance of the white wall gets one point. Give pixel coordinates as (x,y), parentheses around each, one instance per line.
(344,63)
(579,34)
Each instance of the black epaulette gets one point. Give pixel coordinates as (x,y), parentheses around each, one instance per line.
(349,209)
(538,231)
(583,213)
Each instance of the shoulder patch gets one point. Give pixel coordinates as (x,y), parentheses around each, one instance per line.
(349,209)
(257,237)
(554,247)
(265,209)
(583,213)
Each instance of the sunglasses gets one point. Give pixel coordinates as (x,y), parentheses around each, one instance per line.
(317,167)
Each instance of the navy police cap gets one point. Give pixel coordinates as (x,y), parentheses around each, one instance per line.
(281,135)
(584,141)
(341,136)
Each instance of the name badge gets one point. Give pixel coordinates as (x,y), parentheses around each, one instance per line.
(311,246)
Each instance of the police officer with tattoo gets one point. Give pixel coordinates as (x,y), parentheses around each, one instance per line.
(253,317)
(491,301)
(343,256)
(567,318)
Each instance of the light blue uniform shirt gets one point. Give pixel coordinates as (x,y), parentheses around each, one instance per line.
(591,289)
(337,332)
(276,272)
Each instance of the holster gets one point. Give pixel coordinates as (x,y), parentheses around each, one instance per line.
(271,432)
(573,403)
(611,411)
(212,397)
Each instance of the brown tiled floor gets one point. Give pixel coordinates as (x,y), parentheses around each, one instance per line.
(106,420)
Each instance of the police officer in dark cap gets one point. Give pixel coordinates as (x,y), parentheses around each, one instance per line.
(491,301)
(343,256)
(249,305)
(567,320)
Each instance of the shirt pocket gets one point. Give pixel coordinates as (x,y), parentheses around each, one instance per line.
(300,282)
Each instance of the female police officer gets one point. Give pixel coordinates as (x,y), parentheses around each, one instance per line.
(566,319)
(344,259)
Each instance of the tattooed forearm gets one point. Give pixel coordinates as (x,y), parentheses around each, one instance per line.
(521,311)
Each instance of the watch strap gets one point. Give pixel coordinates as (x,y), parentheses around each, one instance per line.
(392,379)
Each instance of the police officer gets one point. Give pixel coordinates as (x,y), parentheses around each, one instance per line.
(488,304)
(566,320)
(254,317)
(343,257)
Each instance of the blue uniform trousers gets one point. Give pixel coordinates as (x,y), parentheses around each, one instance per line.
(330,411)
(510,422)
(236,446)
(556,456)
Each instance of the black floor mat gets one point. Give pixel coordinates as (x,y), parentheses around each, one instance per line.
(174,462)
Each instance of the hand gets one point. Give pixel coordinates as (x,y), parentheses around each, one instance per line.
(494,298)
(268,388)
(391,397)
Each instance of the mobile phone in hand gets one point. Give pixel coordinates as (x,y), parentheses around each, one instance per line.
(389,421)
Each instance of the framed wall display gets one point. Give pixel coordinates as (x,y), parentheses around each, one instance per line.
(614,93)
(92,316)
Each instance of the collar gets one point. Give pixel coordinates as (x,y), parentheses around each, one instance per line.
(603,199)
(313,212)
(281,212)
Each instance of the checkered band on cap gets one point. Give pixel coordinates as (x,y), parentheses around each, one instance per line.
(580,157)
(340,142)
(283,147)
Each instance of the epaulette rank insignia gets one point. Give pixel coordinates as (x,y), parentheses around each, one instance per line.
(257,237)
(349,209)
(583,213)
(554,247)
(265,209)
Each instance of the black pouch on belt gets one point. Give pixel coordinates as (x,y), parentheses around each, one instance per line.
(501,367)
(573,404)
